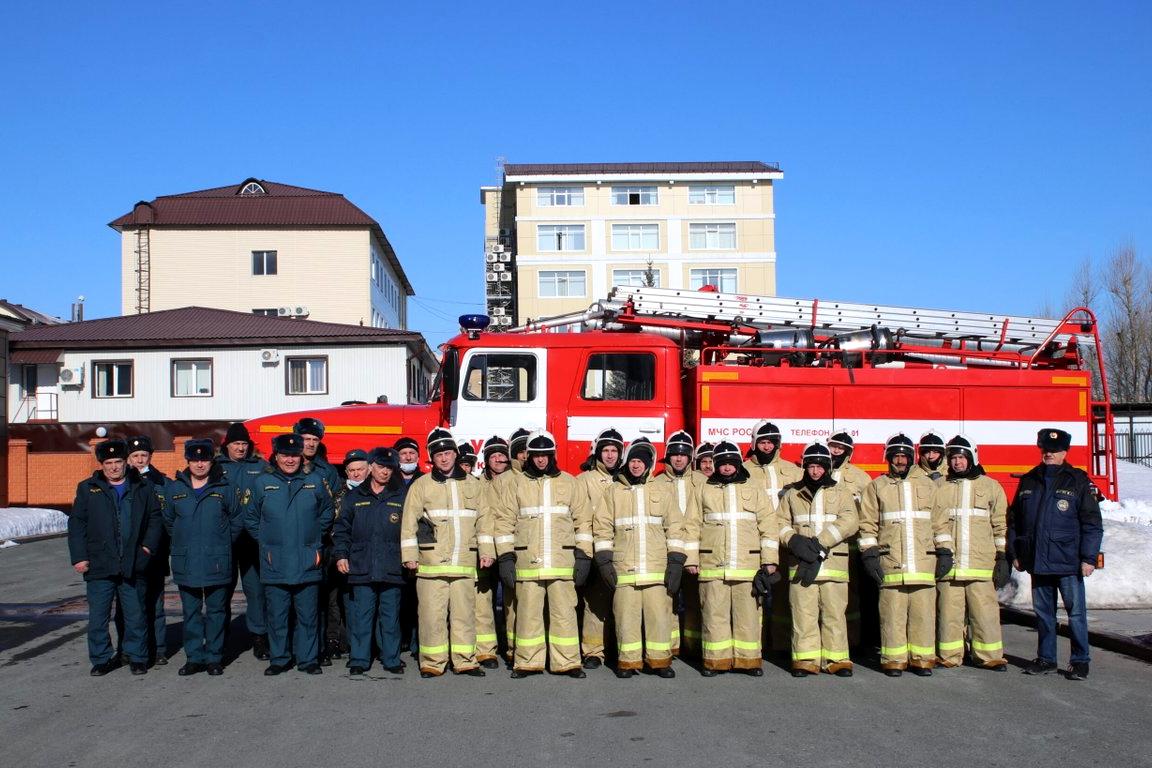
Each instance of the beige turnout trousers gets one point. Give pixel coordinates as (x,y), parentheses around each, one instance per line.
(977,601)
(819,627)
(908,627)
(560,638)
(643,626)
(486,640)
(731,625)
(447,615)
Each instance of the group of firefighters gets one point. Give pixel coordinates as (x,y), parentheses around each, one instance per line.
(691,560)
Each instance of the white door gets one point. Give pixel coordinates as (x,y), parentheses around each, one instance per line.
(501,390)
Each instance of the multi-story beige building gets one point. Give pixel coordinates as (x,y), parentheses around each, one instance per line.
(559,236)
(262,247)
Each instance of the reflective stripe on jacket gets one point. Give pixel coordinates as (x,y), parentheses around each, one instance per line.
(461,525)
(730,531)
(898,514)
(543,520)
(977,511)
(829,515)
(640,524)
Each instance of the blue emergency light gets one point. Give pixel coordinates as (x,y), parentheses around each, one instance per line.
(473,324)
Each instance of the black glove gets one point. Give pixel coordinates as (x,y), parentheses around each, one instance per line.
(762,582)
(603,560)
(870,559)
(425,533)
(806,548)
(582,568)
(944,563)
(506,567)
(1002,571)
(806,574)
(673,572)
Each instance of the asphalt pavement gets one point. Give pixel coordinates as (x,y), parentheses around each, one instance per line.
(52,713)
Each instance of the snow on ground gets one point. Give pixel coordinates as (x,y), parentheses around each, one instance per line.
(1126,579)
(30,521)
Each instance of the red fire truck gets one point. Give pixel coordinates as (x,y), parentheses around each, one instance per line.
(651,361)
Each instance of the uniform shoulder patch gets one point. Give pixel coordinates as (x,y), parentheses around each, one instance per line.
(178,496)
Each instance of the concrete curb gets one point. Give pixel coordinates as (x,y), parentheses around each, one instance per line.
(1110,641)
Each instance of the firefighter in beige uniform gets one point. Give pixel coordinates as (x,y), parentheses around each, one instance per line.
(496,464)
(930,457)
(679,474)
(817,517)
(444,535)
(544,547)
(730,540)
(861,593)
(899,533)
(498,472)
(977,508)
(639,544)
(595,598)
(773,474)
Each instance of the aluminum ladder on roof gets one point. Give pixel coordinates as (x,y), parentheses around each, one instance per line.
(775,312)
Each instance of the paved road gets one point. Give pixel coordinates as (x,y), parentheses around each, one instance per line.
(53,714)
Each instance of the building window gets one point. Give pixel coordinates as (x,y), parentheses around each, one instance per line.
(29,380)
(267,311)
(252,188)
(712,237)
(629,376)
(192,378)
(307,375)
(560,237)
(723,279)
(558,284)
(635,196)
(712,194)
(636,278)
(553,196)
(501,377)
(635,237)
(263,262)
(112,379)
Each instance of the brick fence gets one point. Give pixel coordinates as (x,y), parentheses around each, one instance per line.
(49,479)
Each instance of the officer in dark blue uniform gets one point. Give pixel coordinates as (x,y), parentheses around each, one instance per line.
(202,514)
(140,457)
(241,468)
(367,549)
(287,512)
(315,452)
(1055,531)
(113,529)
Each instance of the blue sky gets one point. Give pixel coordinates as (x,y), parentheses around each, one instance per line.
(935,154)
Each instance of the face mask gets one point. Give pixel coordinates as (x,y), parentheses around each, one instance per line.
(408,468)
(353,483)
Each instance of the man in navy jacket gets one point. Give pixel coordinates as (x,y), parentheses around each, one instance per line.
(1055,533)
(113,529)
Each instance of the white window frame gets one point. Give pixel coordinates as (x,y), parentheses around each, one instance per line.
(701,276)
(714,235)
(710,194)
(645,195)
(309,361)
(633,237)
(558,237)
(197,364)
(553,197)
(558,278)
(113,365)
(634,278)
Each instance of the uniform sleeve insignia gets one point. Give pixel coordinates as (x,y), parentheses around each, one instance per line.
(1062,505)
(394,517)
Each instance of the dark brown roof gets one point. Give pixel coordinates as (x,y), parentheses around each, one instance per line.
(282,206)
(562,169)
(199,327)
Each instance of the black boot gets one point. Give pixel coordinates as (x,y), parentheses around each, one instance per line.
(191,668)
(260,647)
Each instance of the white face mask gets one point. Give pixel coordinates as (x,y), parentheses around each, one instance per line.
(408,468)
(352,483)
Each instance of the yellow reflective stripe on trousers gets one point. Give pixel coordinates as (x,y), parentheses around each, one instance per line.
(563,640)
(896,650)
(835,655)
(923,650)
(432,650)
(805,655)
(511,636)
(744,645)
(651,646)
(446,570)
(463,648)
(999,646)
(629,647)
(717,645)
(955,645)
(486,638)
(543,573)
(525,642)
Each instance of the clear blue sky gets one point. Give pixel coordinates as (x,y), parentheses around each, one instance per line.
(935,154)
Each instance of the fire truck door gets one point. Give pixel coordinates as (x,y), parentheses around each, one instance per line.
(618,389)
(501,390)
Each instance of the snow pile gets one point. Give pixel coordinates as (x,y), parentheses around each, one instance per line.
(1125,581)
(16,522)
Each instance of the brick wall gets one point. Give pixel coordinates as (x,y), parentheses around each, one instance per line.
(49,479)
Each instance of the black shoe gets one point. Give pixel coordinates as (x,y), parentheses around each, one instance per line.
(474,672)
(260,647)
(579,673)
(333,650)
(356,670)
(311,669)
(625,673)
(277,669)
(705,672)
(755,672)
(215,669)
(894,672)
(1077,670)
(1039,667)
(427,675)
(395,670)
(845,672)
(665,672)
(801,673)
(490,664)
(325,661)
(161,660)
(921,671)
(138,668)
(520,674)
(191,668)
(99,670)
(592,663)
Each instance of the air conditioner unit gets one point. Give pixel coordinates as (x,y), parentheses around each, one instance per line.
(269,355)
(505,277)
(504,257)
(284,311)
(498,249)
(491,277)
(497,311)
(505,320)
(72,377)
(491,258)
(300,311)
(496,267)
